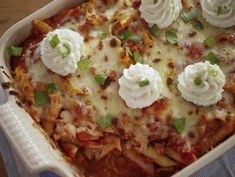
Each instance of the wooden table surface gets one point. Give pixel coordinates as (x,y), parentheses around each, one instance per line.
(11,11)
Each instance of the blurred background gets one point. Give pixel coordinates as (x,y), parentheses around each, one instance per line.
(12,11)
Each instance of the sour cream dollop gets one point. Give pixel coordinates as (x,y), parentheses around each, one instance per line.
(62,58)
(140,86)
(219,13)
(162,13)
(202,83)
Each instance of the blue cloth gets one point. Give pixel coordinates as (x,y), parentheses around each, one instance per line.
(224,166)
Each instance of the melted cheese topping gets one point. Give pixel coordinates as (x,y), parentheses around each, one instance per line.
(104,59)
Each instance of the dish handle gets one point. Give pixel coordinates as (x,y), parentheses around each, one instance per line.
(30,143)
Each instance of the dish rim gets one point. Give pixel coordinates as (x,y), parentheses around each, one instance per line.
(10,36)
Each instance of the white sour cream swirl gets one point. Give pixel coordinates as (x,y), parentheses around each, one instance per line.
(132,93)
(162,13)
(52,57)
(202,83)
(219,13)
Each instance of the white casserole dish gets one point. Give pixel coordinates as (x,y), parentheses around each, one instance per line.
(27,139)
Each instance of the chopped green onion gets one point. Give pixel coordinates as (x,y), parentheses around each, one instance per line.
(138,58)
(102,35)
(155,1)
(15,51)
(198,25)
(64,51)
(212,58)
(125,35)
(153,29)
(218,10)
(83,64)
(41,98)
(188,16)
(179,124)
(171,37)
(105,121)
(210,41)
(143,83)
(51,88)
(101,79)
(54,41)
(212,72)
(128,52)
(197,81)
(173,86)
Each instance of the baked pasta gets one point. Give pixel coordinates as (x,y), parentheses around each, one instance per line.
(131,88)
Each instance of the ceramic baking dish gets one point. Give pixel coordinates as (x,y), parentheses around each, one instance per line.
(27,139)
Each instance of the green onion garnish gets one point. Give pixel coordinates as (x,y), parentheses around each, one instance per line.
(15,51)
(105,121)
(188,16)
(102,35)
(198,25)
(197,81)
(101,79)
(125,35)
(212,72)
(41,98)
(171,37)
(51,87)
(54,41)
(83,64)
(179,124)
(64,51)
(210,41)
(218,10)
(153,29)
(138,58)
(143,83)
(212,58)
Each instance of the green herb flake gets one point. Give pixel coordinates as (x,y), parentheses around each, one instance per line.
(54,41)
(83,64)
(143,83)
(210,41)
(198,25)
(41,98)
(51,87)
(64,51)
(212,58)
(179,124)
(102,35)
(188,16)
(171,37)
(153,29)
(138,58)
(197,81)
(15,51)
(101,79)
(105,121)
